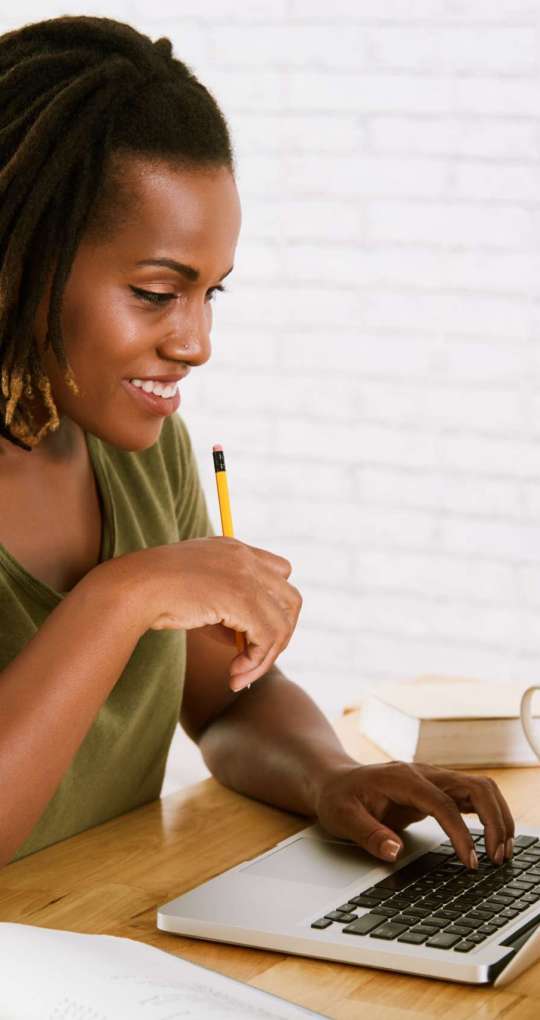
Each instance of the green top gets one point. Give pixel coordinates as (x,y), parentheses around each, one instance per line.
(150,497)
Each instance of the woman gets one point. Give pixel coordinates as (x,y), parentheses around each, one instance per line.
(119,220)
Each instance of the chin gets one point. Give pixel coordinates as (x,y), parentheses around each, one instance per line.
(132,440)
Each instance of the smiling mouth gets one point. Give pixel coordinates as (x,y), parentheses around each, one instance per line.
(152,402)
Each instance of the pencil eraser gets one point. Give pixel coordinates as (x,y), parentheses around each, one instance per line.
(217,448)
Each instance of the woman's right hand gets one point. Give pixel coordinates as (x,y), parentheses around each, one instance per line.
(217,580)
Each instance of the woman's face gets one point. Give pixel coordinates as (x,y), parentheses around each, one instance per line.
(114,333)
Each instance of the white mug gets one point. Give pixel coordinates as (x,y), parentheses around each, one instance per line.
(525,712)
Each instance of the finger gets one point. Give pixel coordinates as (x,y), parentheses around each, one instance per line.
(281,617)
(370,833)
(265,636)
(238,681)
(508,821)
(486,804)
(290,602)
(421,793)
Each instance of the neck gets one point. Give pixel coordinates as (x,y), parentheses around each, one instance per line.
(56,446)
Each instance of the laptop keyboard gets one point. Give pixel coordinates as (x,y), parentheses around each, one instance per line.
(436,900)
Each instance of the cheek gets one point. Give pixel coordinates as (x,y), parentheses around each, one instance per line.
(102,332)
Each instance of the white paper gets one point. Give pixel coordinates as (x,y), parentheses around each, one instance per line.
(59,975)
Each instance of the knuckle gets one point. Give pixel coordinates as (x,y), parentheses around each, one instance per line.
(445,802)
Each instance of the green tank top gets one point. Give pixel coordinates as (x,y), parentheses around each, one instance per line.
(149,497)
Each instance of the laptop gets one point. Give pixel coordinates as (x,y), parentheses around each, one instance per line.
(316,895)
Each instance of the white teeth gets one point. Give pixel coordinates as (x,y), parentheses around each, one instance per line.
(160,389)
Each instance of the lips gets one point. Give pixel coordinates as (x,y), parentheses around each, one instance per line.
(158,378)
(151,402)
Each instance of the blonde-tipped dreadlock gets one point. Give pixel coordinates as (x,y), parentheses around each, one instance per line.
(76,93)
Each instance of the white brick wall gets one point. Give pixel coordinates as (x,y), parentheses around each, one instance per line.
(375,371)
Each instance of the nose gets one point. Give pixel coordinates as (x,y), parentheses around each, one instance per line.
(189,341)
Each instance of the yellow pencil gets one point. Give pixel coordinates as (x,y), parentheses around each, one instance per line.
(225,513)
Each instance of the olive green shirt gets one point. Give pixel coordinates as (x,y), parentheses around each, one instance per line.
(149,497)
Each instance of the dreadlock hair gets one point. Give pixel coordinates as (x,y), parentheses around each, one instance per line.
(76,95)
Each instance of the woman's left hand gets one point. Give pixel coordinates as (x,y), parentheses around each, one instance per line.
(370,804)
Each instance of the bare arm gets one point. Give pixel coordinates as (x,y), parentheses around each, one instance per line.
(51,692)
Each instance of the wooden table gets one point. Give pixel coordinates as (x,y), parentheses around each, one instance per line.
(110,879)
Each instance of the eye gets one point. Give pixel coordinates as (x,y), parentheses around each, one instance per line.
(154,297)
(212,291)
(157,298)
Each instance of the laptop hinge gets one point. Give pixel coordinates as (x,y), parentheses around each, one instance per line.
(515,942)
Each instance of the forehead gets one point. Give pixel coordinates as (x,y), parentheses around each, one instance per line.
(170,210)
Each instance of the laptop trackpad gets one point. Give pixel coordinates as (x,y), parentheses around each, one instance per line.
(316,862)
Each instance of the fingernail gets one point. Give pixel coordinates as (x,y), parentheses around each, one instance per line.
(509,846)
(499,854)
(239,685)
(390,849)
(473,859)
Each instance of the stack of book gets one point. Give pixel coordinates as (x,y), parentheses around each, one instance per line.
(451,722)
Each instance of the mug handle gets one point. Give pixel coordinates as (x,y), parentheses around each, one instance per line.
(525,712)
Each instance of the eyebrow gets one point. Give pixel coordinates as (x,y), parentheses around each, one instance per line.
(189,272)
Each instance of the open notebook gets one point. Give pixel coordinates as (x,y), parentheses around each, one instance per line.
(60,975)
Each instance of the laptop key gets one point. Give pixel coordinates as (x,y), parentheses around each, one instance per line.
(457,929)
(416,937)
(379,894)
(498,921)
(405,919)
(363,925)
(406,875)
(389,911)
(364,901)
(443,940)
(498,901)
(339,915)
(400,901)
(466,922)
(388,931)
(480,915)
(523,882)
(464,947)
(509,913)
(419,911)
(532,858)
(449,913)
(322,922)
(348,908)
(433,902)
(525,840)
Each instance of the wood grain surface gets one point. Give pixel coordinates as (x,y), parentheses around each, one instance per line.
(110,880)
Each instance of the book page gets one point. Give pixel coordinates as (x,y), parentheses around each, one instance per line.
(458,698)
(60,975)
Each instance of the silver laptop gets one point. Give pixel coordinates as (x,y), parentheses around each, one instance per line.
(316,895)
